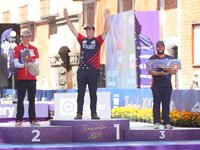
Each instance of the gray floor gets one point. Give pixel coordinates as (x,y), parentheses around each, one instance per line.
(147,126)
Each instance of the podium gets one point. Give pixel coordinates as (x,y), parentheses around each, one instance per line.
(63,129)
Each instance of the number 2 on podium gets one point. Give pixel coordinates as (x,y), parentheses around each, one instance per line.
(35,139)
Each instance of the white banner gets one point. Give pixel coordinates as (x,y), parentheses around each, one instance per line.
(65,105)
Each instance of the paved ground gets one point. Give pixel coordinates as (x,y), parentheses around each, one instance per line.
(133,125)
(147,126)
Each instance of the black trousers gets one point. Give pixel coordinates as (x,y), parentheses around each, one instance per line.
(22,86)
(90,78)
(161,94)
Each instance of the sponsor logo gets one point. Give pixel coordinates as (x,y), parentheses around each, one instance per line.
(100,108)
(113,83)
(145,56)
(196,107)
(172,105)
(145,86)
(145,76)
(116,99)
(112,73)
(144,103)
(68,107)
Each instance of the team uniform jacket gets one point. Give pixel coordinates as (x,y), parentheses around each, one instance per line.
(90,52)
(23,73)
(161,80)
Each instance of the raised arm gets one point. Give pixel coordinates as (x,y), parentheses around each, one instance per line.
(71,26)
(107,22)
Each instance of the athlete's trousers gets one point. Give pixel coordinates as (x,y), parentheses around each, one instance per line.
(90,78)
(22,86)
(161,95)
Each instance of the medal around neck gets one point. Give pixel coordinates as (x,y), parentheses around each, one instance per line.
(26,56)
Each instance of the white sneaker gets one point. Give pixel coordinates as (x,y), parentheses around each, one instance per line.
(156,125)
(168,126)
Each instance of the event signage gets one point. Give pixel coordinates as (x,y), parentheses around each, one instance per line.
(9,110)
(120,52)
(94,130)
(9,38)
(137,98)
(147,35)
(65,105)
(174,64)
(33,134)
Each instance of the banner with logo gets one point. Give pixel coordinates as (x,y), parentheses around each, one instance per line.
(9,110)
(10,37)
(145,50)
(173,64)
(65,105)
(147,34)
(137,98)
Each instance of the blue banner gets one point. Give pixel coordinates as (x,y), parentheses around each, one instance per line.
(137,98)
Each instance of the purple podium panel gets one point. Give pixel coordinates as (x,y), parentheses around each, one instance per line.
(41,134)
(2,135)
(162,135)
(95,130)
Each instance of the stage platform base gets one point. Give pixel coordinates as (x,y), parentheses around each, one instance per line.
(36,134)
(120,145)
(145,132)
(91,133)
(94,130)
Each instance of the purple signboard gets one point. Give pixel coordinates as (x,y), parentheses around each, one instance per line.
(41,134)
(162,135)
(174,64)
(9,110)
(147,34)
(144,48)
